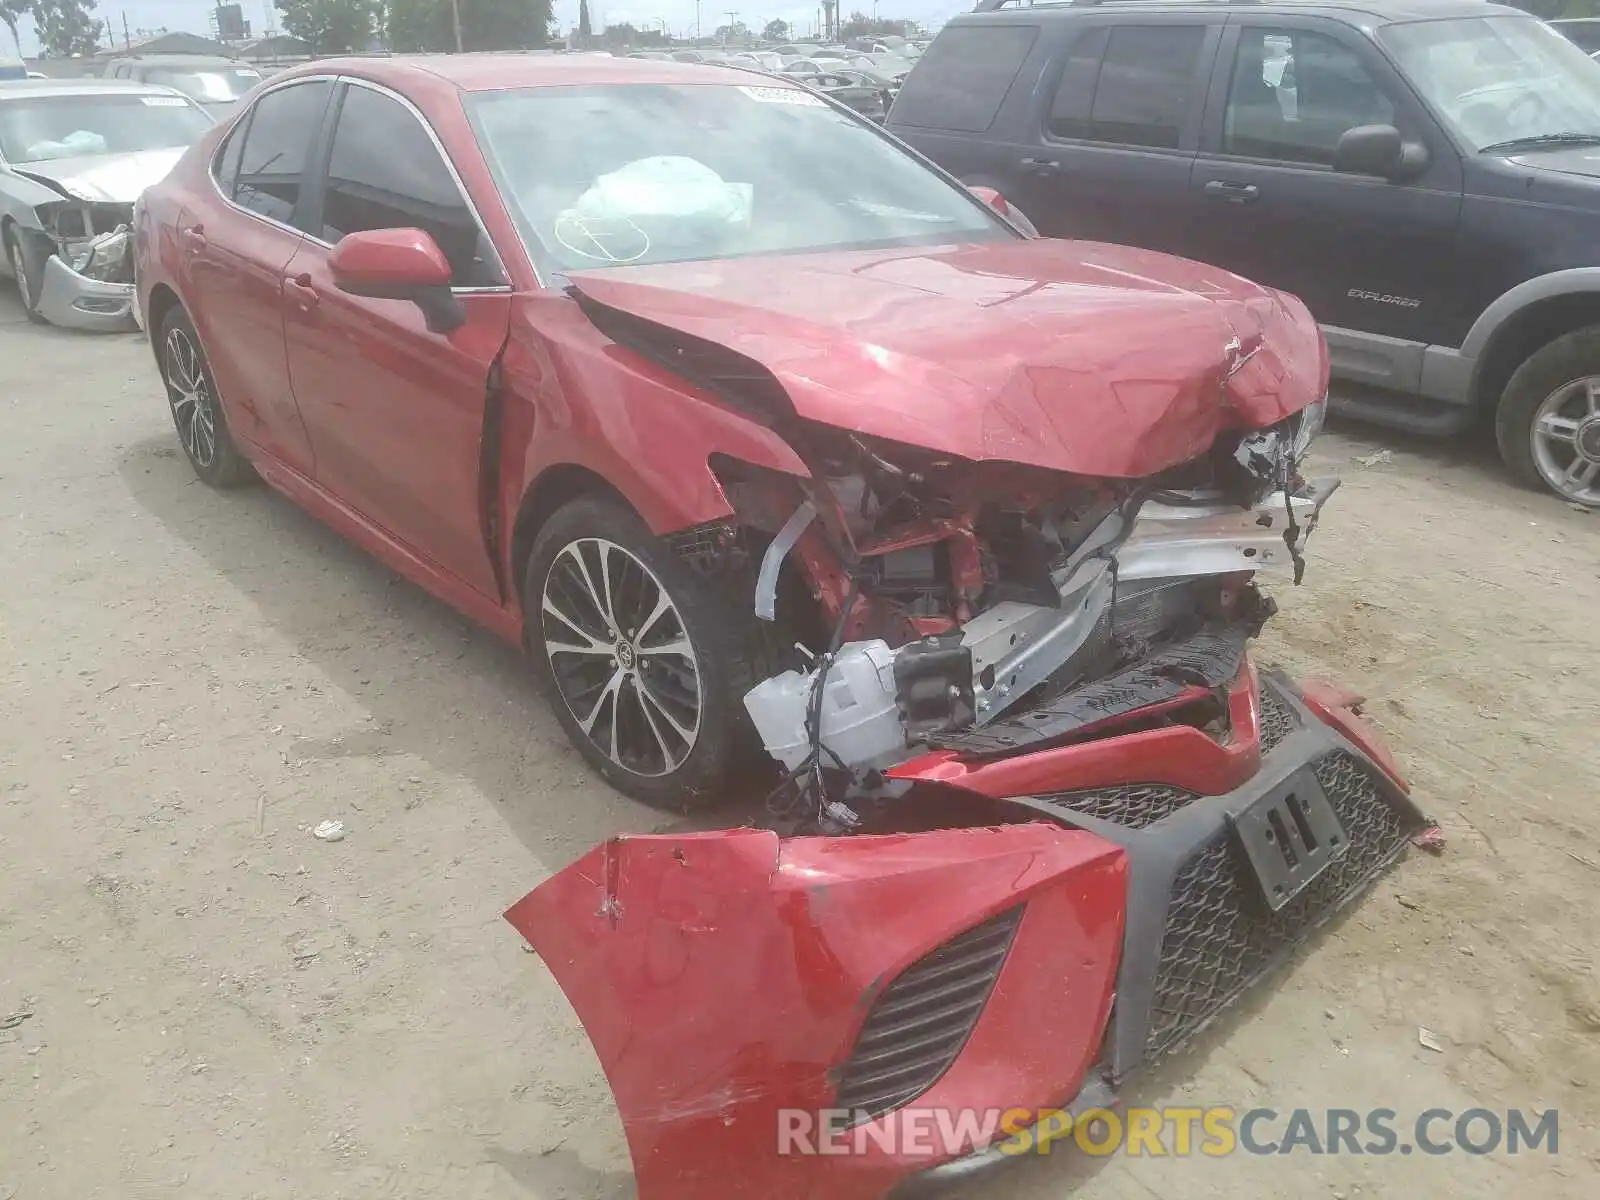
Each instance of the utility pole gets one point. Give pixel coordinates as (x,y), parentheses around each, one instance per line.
(127,41)
(732,16)
(697,22)
(455,15)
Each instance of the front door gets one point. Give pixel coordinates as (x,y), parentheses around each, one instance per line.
(1373,259)
(395,411)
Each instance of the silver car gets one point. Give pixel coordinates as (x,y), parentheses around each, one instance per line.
(74,156)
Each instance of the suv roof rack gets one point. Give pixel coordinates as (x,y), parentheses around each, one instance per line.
(996,5)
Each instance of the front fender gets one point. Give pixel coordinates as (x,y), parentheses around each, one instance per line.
(574,397)
(724,978)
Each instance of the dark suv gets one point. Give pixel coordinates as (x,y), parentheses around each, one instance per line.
(1425,175)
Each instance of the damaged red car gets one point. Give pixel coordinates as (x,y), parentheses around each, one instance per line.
(789,459)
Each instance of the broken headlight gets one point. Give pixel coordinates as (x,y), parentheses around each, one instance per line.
(1307,424)
(102,257)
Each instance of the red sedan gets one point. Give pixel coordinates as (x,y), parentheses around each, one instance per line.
(757,431)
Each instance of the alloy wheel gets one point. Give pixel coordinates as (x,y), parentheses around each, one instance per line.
(1566,440)
(621,657)
(193,408)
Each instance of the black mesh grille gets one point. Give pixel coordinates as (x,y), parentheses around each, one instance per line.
(921,1021)
(1134,805)
(1220,937)
(1277,721)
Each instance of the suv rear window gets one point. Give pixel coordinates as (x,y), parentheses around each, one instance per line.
(1136,92)
(959,83)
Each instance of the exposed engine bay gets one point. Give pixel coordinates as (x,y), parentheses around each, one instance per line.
(923,602)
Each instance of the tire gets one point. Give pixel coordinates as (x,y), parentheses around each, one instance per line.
(196,409)
(697,686)
(29,274)
(1547,424)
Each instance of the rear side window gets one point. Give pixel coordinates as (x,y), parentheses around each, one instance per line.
(962,79)
(277,148)
(225,167)
(1143,83)
(386,173)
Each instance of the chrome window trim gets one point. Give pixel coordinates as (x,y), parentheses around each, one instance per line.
(249,114)
(450,166)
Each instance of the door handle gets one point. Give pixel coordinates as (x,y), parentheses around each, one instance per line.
(193,238)
(1233,193)
(299,286)
(1041,166)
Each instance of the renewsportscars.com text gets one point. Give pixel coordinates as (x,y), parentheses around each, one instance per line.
(1177,1131)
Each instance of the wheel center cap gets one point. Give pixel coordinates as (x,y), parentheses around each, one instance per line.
(1588,439)
(625,656)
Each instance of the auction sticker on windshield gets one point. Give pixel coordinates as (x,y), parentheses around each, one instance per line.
(771,95)
(165,101)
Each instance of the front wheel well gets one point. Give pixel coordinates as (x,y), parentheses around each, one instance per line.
(557,486)
(1522,334)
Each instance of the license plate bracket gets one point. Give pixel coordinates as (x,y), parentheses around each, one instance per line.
(1290,835)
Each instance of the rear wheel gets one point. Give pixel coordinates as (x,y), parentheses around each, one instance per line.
(28,273)
(1548,422)
(196,412)
(634,648)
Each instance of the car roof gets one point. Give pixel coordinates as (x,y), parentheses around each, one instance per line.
(1378,12)
(497,72)
(82,87)
(178,60)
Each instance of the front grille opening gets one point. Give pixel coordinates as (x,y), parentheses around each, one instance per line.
(1134,805)
(921,1021)
(1277,721)
(1220,938)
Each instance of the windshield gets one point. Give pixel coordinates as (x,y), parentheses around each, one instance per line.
(42,127)
(647,173)
(1500,80)
(209,86)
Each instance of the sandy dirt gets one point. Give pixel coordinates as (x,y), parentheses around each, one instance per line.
(205,1001)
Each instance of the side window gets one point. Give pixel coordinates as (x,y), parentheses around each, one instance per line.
(960,82)
(1132,87)
(225,166)
(386,173)
(1293,95)
(273,159)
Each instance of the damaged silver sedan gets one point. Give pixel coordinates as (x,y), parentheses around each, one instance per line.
(74,156)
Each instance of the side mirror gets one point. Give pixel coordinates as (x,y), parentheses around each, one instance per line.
(398,264)
(1378,150)
(1002,206)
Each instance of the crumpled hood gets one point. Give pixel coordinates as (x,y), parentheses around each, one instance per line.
(104,178)
(1075,356)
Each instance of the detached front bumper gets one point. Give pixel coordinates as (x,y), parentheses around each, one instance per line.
(735,982)
(75,301)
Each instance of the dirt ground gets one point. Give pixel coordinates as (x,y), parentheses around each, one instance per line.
(214,1004)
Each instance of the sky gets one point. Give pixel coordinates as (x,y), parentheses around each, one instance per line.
(194,16)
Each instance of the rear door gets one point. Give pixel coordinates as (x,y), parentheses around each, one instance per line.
(234,243)
(1375,260)
(395,410)
(1109,148)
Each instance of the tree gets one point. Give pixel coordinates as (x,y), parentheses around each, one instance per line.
(425,25)
(862,26)
(737,32)
(12,11)
(777,30)
(331,26)
(585,30)
(65,27)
